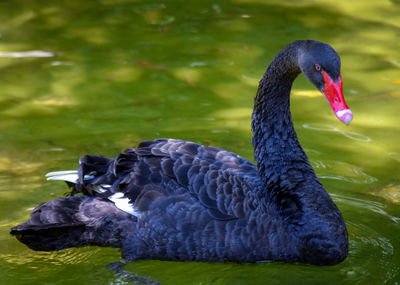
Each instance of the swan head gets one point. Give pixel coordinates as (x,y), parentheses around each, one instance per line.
(320,63)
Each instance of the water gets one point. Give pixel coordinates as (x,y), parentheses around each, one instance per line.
(99,76)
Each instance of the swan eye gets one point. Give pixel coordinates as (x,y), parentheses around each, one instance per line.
(317,67)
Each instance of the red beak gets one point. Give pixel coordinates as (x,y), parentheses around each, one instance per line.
(333,92)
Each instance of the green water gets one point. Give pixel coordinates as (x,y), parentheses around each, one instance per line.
(105,75)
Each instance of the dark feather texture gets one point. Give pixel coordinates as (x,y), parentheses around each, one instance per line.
(199,203)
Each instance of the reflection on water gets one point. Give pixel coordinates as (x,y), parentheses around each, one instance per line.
(57,258)
(31,53)
(390,192)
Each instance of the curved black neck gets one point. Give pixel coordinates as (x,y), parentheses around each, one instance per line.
(277,151)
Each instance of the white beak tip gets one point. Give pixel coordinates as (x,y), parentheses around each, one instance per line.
(345,116)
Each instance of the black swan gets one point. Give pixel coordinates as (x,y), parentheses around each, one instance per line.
(177,200)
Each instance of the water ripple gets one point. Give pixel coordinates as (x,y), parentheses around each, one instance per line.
(372,249)
(327,128)
(370,205)
(353,174)
(395,155)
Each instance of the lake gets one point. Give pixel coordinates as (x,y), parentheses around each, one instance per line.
(96,77)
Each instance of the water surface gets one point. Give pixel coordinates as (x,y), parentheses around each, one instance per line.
(99,76)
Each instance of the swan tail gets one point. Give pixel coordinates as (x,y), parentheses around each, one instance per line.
(72,222)
(94,175)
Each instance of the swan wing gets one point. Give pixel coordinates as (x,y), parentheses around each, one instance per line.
(164,170)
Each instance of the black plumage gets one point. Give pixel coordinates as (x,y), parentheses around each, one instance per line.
(199,203)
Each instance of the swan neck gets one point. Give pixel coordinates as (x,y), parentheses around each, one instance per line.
(275,142)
